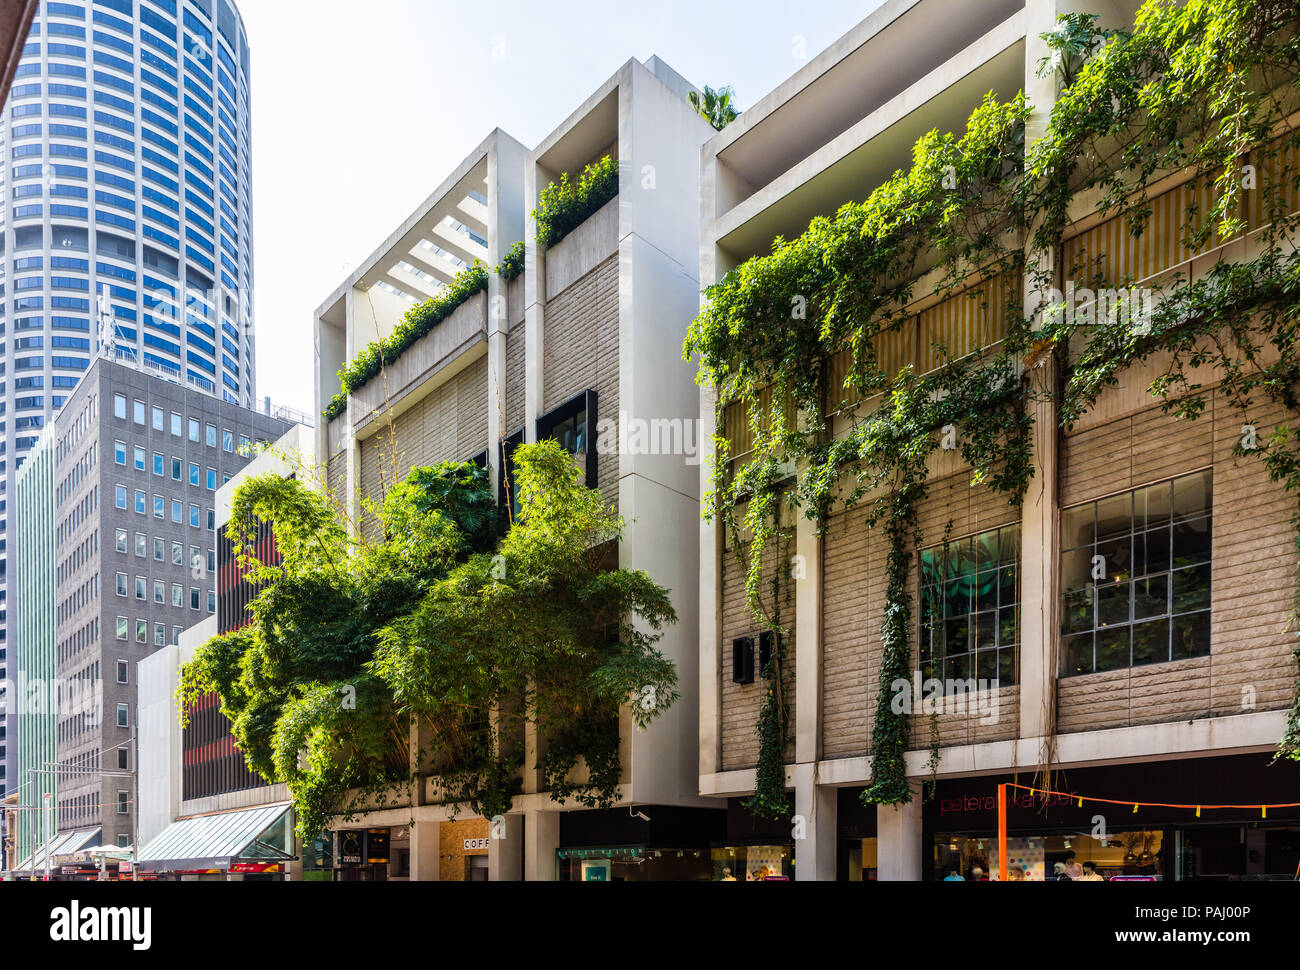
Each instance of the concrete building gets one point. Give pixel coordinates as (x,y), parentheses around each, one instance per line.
(1157,731)
(137,462)
(590,333)
(203,815)
(128,216)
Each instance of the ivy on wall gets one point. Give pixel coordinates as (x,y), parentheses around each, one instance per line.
(1206,88)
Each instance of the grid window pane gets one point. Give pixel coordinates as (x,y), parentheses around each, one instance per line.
(1136,575)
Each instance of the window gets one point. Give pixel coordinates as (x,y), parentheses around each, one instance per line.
(212,479)
(122,583)
(124,840)
(244,445)
(178,511)
(141,588)
(123,798)
(160,592)
(119,496)
(123,672)
(194,475)
(159,507)
(141,631)
(178,595)
(570,424)
(212,520)
(159,419)
(119,406)
(194,598)
(196,562)
(176,634)
(178,554)
(969,615)
(212,436)
(194,516)
(159,466)
(176,425)
(227,441)
(141,503)
(123,764)
(137,412)
(194,431)
(212,601)
(159,550)
(121,541)
(139,459)
(160,634)
(141,545)
(176,469)
(119,453)
(1136,577)
(122,628)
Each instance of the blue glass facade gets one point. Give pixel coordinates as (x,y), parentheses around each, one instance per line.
(127,224)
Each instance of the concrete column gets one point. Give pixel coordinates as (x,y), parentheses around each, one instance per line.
(534,310)
(426,852)
(806,571)
(541,840)
(506,850)
(815,827)
(1040,542)
(899,843)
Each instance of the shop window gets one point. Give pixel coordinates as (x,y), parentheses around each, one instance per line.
(1136,574)
(573,425)
(970,608)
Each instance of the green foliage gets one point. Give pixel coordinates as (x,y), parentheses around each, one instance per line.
(513,263)
(770,799)
(1194,87)
(442,625)
(566,206)
(715,107)
(419,321)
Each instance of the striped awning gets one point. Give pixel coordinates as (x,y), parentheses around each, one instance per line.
(218,841)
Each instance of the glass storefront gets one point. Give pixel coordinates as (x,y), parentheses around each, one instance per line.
(633,864)
(753,863)
(1128,855)
(859,857)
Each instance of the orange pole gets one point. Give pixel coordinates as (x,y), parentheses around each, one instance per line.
(1002,833)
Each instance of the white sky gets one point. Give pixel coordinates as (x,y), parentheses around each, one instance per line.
(361,109)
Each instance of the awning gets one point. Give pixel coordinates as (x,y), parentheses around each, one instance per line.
(65,844)
(219,841)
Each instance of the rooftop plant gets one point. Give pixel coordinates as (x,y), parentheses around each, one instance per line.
(420,320)
(566,206)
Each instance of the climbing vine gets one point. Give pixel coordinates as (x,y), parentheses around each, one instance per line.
(798,342)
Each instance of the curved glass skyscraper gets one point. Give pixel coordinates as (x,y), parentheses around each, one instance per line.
(126,215)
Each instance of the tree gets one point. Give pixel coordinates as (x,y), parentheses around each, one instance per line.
(715,107)
(442,624)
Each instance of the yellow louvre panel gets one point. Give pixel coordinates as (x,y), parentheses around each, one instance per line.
(838,395)
(963,324)
(1109,255)
(736,425)
(896,350)
(1281,165)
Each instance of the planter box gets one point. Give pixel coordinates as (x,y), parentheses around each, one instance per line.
(582,250)
(422,361)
